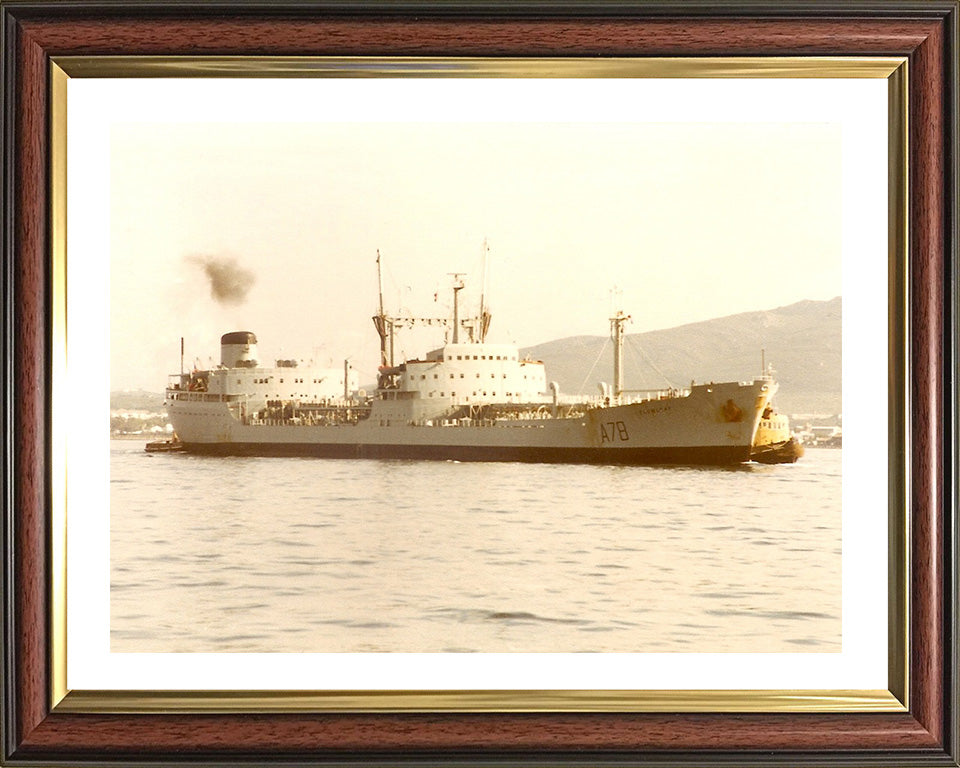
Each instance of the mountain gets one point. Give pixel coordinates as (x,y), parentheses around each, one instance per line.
(136,400)
(802,341)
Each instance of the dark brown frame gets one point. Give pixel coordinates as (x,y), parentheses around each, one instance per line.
(925,32)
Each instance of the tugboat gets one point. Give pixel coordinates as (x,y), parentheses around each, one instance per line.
(164,446)
(774,443)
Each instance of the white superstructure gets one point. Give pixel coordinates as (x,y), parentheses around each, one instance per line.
(475,373)
(241,375)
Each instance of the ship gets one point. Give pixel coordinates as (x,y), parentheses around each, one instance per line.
(467,400)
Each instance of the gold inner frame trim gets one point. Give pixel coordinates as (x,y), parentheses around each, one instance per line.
(893,69)
(58,367)
(898,416)
(131,702)
(427,66)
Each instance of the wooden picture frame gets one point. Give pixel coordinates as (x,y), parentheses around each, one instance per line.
(37,732)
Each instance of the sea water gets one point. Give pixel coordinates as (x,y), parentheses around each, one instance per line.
(212,554)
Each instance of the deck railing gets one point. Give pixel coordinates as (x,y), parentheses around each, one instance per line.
(202,397)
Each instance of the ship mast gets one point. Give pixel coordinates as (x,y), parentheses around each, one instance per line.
(387,325)
(484,322)
(379,282)
(616,333)
(457,287)
(384,324)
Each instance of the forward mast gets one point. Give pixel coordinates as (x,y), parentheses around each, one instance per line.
(387,325)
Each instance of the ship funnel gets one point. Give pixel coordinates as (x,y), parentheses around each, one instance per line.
(238,349)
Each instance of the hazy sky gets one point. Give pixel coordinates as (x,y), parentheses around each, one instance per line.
(690,221)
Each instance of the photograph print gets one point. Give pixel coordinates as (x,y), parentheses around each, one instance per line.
(441,379)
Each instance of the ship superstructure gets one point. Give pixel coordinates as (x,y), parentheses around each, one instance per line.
(240,373)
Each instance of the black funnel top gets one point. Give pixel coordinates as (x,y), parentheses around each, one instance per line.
(238,337)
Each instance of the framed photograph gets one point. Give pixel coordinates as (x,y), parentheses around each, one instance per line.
(648,455)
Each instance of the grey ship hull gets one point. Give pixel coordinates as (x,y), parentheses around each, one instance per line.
(713,425)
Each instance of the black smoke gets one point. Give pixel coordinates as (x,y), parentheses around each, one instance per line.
(229,282)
